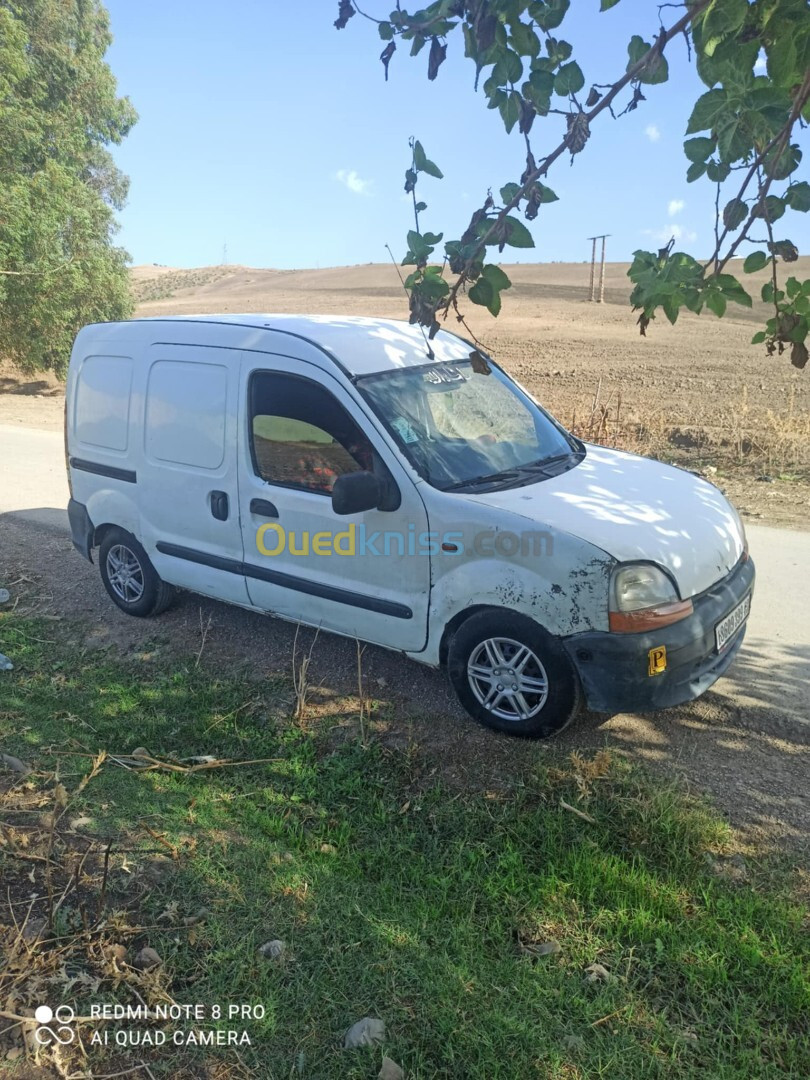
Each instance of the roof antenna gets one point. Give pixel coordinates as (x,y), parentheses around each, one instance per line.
(430,353)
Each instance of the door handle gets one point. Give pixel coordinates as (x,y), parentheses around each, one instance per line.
(263,508)
(219,505)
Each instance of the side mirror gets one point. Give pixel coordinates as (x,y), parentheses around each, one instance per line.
(355,492)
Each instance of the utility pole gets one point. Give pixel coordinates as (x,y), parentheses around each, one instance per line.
(602,237)
(224,254)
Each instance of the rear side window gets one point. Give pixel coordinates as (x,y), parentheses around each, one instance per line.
(102,402)
(301,436)
(185,413)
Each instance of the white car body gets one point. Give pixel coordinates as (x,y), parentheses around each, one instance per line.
(157,431)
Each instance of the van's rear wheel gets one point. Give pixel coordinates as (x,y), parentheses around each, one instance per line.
(510,675)
(129,577)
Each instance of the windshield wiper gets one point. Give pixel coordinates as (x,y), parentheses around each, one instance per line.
(505,476)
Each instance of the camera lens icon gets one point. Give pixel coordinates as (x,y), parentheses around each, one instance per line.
(64,1015)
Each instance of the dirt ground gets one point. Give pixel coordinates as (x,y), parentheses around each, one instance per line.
(697,394)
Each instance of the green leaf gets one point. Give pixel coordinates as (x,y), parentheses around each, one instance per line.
(671,306)
(569,79)
(423,164)
(792,287)
(606,5)
(517,235)
(386,31)
(758,337)
(724,17)
(548,14)
(656,69)
(508,192)
(798,196)
(496,277)
(755,261)
(774,208)
(523,39)
(716,302)
(709,108)
(732,289)
(695,171)
(509,68)
(786,163)
(734,214)
(699,149)
(717,171)
(510,110)
(420,206)
(483,293)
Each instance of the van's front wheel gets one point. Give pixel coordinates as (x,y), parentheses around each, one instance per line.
(129,577)
(510,675)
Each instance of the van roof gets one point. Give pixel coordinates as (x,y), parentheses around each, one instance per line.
(360,344)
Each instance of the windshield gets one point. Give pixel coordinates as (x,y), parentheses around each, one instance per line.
(467,426)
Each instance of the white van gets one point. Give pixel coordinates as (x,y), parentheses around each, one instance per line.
(350,474)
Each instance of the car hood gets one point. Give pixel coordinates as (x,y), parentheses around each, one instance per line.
(635,508)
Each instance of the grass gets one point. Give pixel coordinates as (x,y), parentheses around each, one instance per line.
(396,897)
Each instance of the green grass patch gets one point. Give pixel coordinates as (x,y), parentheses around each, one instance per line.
(399,898)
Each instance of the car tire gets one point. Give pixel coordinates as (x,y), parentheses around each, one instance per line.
(513,676)
(130,579)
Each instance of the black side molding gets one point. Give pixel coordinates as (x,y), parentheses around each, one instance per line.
(127,475)
(288,581)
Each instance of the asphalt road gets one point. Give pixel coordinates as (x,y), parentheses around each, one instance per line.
(746,742)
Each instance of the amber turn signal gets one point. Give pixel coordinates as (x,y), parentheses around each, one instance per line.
(652,618)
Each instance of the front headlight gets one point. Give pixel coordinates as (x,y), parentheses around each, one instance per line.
(643,597)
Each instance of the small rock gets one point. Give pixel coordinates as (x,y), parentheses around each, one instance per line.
(80,822)
(328,849)
(711,470)
(5,596)
(366,1032)
(765,479)
(738,861)
(34,929)
(540,948)
(390,1070)
(598,973)
(5,663)
(199,916)
(157,869)
(272,950)
(14,763)
(118,953)
(140,751)
(147,959)
(14,1054)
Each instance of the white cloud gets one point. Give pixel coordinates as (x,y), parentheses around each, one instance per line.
(652,132)
(675,206)
(350,179)
(664,235)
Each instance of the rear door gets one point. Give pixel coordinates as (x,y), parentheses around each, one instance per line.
(188,481)
(363,575)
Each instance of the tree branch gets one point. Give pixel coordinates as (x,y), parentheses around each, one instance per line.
(657,49)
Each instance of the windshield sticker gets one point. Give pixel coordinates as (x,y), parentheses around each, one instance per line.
(444,373)
(404,430)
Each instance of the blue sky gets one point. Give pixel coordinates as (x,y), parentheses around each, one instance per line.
(265,129)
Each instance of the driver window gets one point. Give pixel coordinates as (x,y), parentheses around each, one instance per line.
(301,436)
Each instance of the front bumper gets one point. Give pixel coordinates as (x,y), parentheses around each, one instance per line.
(614,668)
